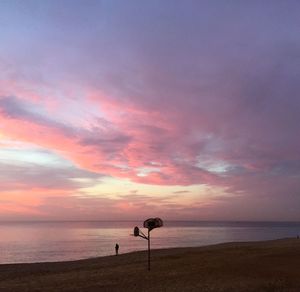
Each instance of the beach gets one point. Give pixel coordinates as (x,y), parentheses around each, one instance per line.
(244,266)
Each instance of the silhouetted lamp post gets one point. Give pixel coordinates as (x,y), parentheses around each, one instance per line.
(150,224)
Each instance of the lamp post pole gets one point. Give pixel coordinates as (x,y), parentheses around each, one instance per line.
(150,224)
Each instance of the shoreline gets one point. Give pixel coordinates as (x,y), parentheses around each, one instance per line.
(152,251)
(232,266)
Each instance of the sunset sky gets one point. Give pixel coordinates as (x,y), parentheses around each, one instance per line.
(129,109)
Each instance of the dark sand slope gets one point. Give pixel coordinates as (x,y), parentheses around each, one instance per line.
(257,266)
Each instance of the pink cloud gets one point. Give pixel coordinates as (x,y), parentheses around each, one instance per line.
(118,151)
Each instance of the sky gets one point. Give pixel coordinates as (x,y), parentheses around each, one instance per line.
(129,109)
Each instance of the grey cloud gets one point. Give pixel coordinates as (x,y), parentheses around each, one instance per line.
(31,175)
(16,108)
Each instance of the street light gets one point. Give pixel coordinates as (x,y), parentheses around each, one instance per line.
(150,224)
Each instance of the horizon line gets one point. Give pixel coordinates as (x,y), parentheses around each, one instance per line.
(168,220)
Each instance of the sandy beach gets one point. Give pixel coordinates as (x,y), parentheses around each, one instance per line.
(250,266)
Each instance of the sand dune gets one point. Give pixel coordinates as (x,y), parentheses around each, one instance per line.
(251,266)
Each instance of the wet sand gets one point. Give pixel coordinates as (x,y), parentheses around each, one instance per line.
(251,266)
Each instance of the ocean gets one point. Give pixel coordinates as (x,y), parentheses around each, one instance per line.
(27,242)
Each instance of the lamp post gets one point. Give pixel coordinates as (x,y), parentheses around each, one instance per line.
(150,224)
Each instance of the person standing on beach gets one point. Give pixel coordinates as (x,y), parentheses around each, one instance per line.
(117,249)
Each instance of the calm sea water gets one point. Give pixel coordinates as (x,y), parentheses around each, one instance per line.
(22,242)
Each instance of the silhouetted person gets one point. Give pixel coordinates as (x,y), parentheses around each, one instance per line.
(117,249)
